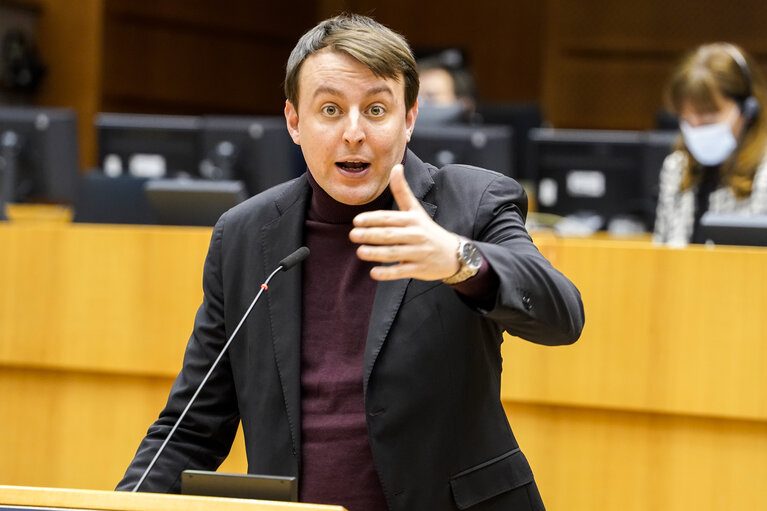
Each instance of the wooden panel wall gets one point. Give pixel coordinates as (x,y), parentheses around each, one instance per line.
(502,39)
(199,56)
(607,62)
(70,44)
(660,404)
(591,64)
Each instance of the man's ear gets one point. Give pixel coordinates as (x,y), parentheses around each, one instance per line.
(291,118)
(410,118)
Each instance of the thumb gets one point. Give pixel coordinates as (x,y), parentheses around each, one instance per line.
(401,190)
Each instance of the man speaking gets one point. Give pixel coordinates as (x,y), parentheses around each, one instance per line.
(371,371)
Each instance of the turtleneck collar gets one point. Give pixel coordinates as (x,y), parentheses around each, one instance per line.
(326,209)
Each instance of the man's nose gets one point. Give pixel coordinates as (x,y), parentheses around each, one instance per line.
(354,132)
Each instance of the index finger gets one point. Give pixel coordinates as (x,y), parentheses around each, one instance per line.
(383,218)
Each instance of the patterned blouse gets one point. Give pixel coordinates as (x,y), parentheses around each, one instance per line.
(676,209)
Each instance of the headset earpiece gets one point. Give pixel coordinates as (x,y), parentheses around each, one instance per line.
(750,109)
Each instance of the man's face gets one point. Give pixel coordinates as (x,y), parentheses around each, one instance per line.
(352,125)
(436,88)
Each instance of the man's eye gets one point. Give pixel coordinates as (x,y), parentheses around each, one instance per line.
(329,110)
(376,111)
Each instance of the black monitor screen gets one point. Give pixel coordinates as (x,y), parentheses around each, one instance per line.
(605,174)
(112,200)
(734,229)
(149,146)
(521,118)
(658,145)
(39,159)
(255,150)
(482,146)
(192,201)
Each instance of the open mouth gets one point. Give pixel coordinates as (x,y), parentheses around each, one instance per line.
(353,166)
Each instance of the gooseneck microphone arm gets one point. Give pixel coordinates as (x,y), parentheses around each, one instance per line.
(287,263)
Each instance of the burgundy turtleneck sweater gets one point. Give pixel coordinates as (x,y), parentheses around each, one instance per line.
(337,464)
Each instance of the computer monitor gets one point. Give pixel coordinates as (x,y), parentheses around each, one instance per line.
(192,201)
(603,174)
(149,146)
(734,229)
(255,150)
(658,145)
(39,157)
(666,121)
(520,118)
(489,147)
(102,199)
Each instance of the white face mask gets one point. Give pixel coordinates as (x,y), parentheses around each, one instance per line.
(709,144)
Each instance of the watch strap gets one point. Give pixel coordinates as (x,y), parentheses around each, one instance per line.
(465,271)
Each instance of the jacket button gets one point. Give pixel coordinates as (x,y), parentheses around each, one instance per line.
(527,302)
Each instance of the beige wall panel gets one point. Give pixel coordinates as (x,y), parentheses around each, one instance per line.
(101,298)
(666,330)
(586,459)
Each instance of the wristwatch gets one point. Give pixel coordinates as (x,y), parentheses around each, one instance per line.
(470,260)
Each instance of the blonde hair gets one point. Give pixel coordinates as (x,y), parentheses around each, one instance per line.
(710,70)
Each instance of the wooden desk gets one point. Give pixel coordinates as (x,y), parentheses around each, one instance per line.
(661,404)
(55,498)
(93,324)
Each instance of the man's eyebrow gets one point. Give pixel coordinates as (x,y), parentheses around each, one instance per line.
(324,89)
(380,89)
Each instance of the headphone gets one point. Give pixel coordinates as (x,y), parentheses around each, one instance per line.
(749,107)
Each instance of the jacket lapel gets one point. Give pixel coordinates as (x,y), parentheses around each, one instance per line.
(389,294)
(280,238)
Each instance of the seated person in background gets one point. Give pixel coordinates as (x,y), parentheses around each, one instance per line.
(447,92)
(720,163)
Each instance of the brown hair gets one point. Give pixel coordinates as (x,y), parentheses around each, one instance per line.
(382,50)
(708,70)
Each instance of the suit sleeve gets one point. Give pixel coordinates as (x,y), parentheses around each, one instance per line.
(205,436)
(534,300)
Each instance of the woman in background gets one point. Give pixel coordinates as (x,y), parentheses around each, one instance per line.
(720,161)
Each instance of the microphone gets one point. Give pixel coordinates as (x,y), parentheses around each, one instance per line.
(293,259)
(287,263)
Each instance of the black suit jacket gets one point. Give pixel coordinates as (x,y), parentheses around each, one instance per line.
(432,365)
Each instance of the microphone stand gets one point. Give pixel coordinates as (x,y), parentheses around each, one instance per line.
(287,263)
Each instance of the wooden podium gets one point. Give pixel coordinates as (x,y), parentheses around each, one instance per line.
(20,497)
